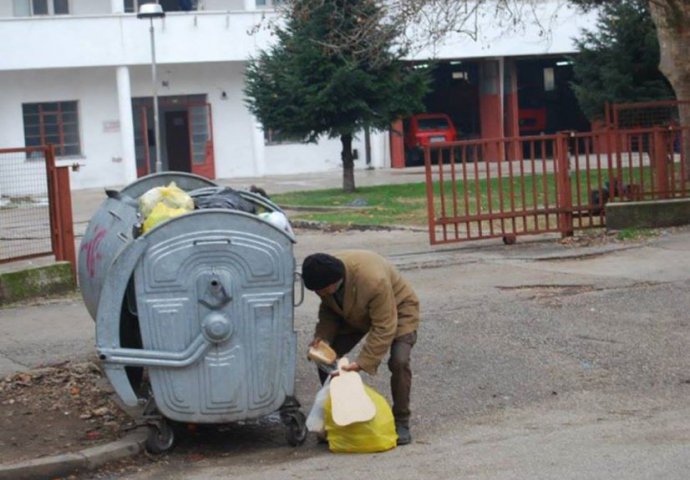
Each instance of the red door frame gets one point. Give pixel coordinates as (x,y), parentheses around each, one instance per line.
(207,168)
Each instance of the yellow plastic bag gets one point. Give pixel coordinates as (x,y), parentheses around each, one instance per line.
(160,213)
(172,196)
(376,435)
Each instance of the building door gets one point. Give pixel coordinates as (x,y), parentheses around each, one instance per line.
(177,143)
(186,135)
(201,138)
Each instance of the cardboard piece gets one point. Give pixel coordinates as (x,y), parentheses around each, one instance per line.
(349,401)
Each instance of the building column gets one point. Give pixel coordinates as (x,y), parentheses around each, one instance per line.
(397,144)
(249,5)
(117,6)
(511,119)
(491,108)
(124,101)
(258,148)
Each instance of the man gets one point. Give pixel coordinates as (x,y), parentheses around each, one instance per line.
(363,294)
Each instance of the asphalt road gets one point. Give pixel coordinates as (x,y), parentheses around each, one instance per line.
(532,362)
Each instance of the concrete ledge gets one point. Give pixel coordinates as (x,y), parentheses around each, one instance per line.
(67,464)
(56,278)
(647,214)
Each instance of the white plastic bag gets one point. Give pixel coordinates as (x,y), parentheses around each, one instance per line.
(279,220)
(315,420)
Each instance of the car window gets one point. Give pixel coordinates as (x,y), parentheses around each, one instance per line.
(438,123)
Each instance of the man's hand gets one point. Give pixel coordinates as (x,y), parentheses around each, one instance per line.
(315,342)
(352,367)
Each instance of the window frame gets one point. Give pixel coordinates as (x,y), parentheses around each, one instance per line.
(50,4)
(59,109)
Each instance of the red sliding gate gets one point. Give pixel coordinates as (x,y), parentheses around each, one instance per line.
(551,183)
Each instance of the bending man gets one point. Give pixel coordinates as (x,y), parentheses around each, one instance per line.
(362,294)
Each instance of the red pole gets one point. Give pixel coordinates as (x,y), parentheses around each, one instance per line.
(659,165)
(564,195)
(65,221)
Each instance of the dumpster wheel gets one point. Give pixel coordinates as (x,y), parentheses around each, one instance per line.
(296,432)
(161,437)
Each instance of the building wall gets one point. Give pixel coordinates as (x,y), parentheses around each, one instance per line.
(94,90)
(96,41)
(238,145)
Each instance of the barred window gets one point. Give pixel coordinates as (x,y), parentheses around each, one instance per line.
(54,123)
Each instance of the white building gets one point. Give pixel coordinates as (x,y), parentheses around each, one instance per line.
(77,73)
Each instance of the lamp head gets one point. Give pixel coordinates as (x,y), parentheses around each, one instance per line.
(151,10)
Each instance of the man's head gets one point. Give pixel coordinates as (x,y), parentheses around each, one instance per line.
(321,272)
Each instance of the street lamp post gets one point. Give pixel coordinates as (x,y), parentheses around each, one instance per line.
(151,11)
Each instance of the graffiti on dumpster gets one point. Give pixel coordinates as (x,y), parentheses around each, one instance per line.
(93,255)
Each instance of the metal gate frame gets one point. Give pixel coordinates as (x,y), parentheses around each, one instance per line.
(59,209)
(547,183)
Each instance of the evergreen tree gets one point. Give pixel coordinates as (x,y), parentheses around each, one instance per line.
(321,79)
(618,61)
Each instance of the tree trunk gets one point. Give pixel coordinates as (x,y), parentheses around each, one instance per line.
(348,163)
(672,20)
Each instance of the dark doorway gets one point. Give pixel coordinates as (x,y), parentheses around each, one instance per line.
(177,141)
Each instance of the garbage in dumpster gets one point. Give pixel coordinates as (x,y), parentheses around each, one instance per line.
(375,435)
(171,196)
(223,198)
(160,213)
(279,220)
(163,203)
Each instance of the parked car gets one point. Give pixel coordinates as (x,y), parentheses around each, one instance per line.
(532,121)
(422,130)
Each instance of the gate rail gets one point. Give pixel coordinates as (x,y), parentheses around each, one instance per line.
(550,183)
(35,206)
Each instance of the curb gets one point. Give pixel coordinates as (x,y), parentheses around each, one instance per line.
(68,463)
(21,284)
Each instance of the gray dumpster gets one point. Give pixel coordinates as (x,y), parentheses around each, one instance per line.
(194,319)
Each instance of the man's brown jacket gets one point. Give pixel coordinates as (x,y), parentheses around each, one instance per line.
(377,300)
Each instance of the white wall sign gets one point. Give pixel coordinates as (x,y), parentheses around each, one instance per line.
(111,126)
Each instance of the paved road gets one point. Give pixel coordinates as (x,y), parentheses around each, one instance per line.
(534,361)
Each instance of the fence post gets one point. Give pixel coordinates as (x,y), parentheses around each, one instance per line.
(53,207)
(60,207)
(431,215)
(65,222)
(659,165)
(564,197)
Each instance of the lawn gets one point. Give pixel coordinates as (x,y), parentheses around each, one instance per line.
(406,204)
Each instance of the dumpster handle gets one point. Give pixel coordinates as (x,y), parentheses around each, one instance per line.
(155,358)
(301,285)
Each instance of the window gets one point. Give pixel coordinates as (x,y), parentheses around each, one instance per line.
(549,79)
(56,123)
(277,137)
(132,6)
(267,3)
(27,8)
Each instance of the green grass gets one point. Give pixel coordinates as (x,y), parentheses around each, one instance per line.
(406,204)
(386,205)
(636,233)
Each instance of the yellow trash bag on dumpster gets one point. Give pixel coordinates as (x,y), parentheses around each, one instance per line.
(160,213)
(163,203)
(172,196)
(376,435)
